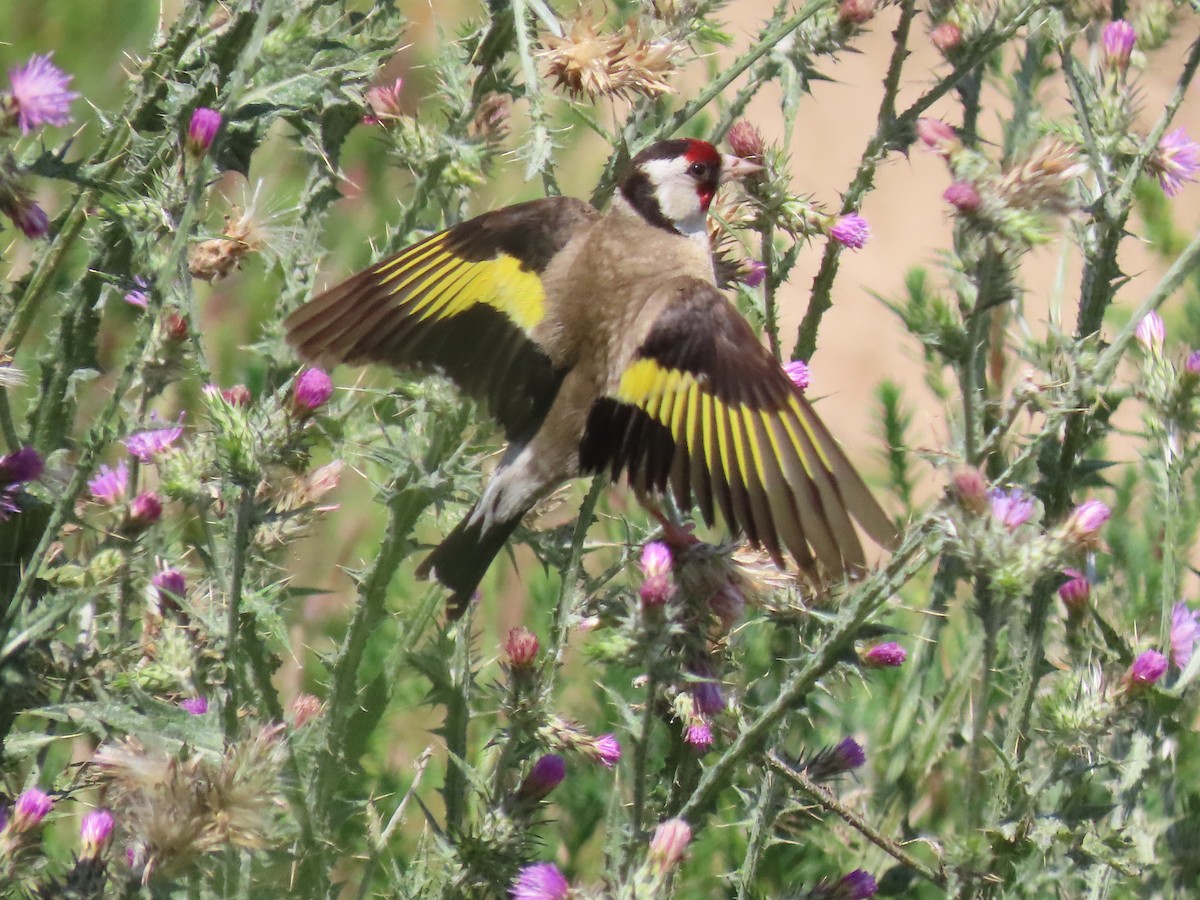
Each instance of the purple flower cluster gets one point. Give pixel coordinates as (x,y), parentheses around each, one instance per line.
(38,94)
(851,231)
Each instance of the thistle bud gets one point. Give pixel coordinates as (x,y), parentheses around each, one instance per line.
(1151,333)
(671,839)
(29,810)
(946,36)
(312,391)
(95,833)
(970,489)
(305,708)
(1148,668)
(607,750)
(937,136)
(238,395)
(657,588)
(881,656)
(856,12)
(1083,526)
(175,326)
(1075,591)
(745,140)
(1118,39)
(521,648)
(145,510)
(202,129)
(797,370)
(547,774)
(963,196)
(832,762)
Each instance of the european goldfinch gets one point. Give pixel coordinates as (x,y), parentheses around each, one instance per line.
(601,343)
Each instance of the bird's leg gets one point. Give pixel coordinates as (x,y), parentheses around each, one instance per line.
(676,535)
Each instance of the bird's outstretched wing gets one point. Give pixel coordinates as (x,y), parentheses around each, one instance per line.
(703,407)
(464,302)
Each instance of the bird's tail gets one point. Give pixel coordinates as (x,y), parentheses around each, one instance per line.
(461,559)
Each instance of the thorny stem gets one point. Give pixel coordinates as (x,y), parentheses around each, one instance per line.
(454,728)
(986,600)
(237,569)
(825,799)
(641,749)
(760,831)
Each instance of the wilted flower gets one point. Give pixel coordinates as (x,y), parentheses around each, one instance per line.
(1011,508)
(305,708)
(491,119)
(175,326)
(27,813)
(1083,526)
(251,226)
(31,220)
(312,390)
(1151,333)
(202,129)
(745,140)
(38,94)
(1185,630)
(145,445)
(521,648)
(607,750)
(383,102)
(671,839)
(1044,181)
(95,833)
(541,881)
(797,370)
(831,762)
(886,655)
(20,466)
(194,706)
(1075,591)
(851,231)
(1175,161)
(589,63)
(963,196)
(1118,40)
(938,136)
(970,489)
(657,588)
(109,485)
(1147,668)
(145,510)
(547,774)
(138,295)
(946,36)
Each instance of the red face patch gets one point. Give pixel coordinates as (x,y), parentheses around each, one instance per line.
(701,151)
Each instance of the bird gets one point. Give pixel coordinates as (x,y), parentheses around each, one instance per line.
(600,343)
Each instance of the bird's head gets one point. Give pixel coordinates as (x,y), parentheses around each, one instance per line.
(671,183)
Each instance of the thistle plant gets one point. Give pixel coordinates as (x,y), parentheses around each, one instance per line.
(219,674)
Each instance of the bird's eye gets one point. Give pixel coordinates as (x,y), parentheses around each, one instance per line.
(696,169)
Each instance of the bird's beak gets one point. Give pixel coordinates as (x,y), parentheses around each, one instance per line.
(736,167)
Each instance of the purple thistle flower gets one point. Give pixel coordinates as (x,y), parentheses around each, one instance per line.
(29,810)
(671,839)
(1185,630)
(886,655)
(521,648)
(657,588)
(834,761)
(39,95)
(541,881)
(1118,39)
(170,581)
(608,750)
(708,697)
(95,833)
(856,885)
(21,466)
(29,218)
(202,129)
(1083,527)
(145,445)
(1191,365)
(797,370)
(547,774)
(1176,160)
(1147,668)
(109,485)
(699,735)
(754,273)
(1151,333)
(963,196)
(145,510)
(139,296)
(1011,508)
(194,706)
(312,390)
(851,231)
(1075,591)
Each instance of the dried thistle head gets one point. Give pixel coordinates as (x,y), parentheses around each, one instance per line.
(251,226)
(589,63)
(491,120)
(1044,181)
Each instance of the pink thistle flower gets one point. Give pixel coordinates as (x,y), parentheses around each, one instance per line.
(312,391)
(305,708)
(1147,668)
(95,833)
(521,648)
(38,94)
(937,136)
(145,445)
(851,231)
(1075,591)
(1185,631)
(202,129)
(1083,527)
(699,735)
(542,881)
(27,813)
(547,774)
(671,839)
(29,218)
(608,750)
(1011,508)
(139,296)
(1118,39)
(946,36)
(145,510)
(21,466)
(889,655)
(1175,161)
(170,582)
(1151,333)
(963,196)
(797,370)
(753,273)
(384,103)
(657,588)
(194,706)
(745,140)
(109,485)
